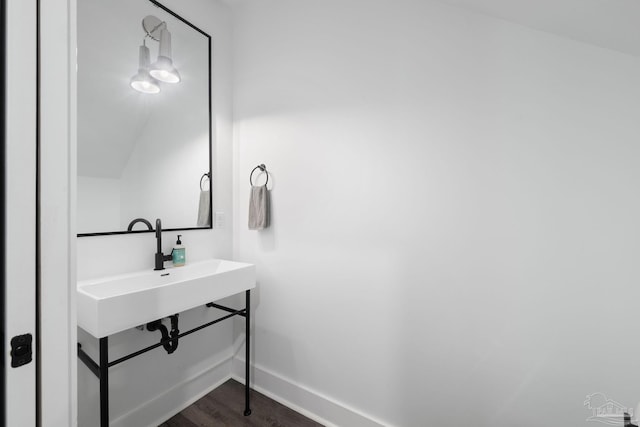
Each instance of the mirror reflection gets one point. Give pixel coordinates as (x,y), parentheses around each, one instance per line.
(144,130)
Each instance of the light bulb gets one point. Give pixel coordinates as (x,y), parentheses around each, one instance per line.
(163,68)
(142,81)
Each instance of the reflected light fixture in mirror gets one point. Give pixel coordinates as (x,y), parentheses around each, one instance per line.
(163,68)
(142,81)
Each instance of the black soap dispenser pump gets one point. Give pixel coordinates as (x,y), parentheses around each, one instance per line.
(178,253)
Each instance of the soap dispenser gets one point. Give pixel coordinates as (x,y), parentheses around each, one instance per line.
(178,253)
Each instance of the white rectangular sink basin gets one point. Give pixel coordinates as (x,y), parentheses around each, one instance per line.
(112,304)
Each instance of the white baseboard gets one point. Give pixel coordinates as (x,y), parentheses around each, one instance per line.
(172,400)
(307,402)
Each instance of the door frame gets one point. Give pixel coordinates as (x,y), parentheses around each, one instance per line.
(39,59)
(57,296)
(20,142)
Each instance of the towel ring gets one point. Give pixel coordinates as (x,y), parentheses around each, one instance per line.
(206,175)
(262,168)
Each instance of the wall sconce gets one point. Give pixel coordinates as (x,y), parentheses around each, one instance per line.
(148,77)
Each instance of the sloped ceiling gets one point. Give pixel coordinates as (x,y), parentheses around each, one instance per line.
(610,24)
(110,114)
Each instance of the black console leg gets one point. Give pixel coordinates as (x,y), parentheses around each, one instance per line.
(104,382)
(247,409)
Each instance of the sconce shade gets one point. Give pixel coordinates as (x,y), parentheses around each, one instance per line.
(142,81)
(163,68)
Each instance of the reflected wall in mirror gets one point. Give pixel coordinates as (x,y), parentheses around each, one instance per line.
(141,155)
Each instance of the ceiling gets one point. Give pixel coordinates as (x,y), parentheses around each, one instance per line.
(610,24)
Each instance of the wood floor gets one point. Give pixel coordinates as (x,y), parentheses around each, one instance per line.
(224,407)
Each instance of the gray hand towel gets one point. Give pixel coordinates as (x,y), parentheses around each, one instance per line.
(204,214)
(259,208)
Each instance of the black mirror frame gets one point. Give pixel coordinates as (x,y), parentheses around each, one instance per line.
(210,226)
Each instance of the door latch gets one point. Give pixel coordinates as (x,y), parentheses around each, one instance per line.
(21,350)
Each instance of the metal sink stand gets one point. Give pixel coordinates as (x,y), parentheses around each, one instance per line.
(101,370)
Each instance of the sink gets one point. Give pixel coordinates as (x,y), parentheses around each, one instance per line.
(112,304)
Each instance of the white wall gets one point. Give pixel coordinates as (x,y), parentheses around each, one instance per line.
(455,213)
(98,204)
(146,389)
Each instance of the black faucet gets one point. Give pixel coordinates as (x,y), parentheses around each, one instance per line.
(160,257)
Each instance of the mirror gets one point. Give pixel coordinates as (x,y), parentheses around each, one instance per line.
(141,155)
